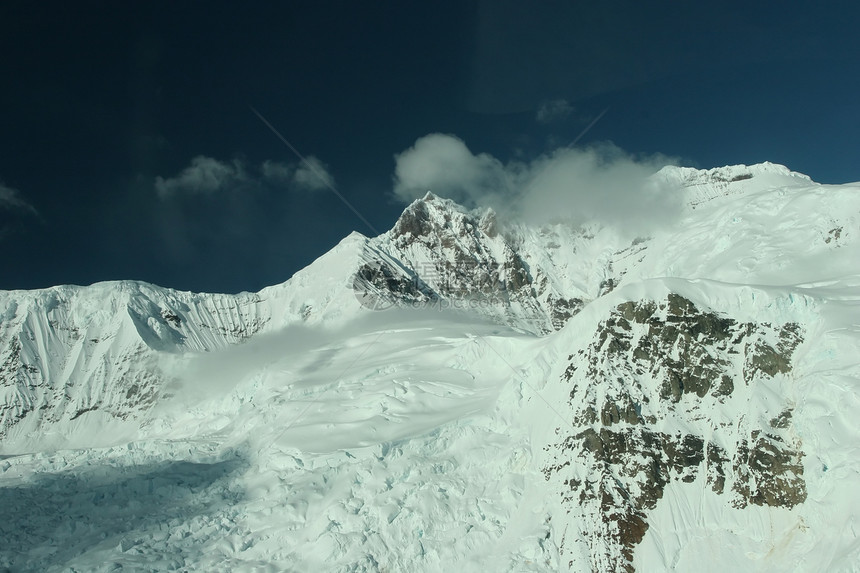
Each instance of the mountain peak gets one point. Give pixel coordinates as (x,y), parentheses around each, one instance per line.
(428,215)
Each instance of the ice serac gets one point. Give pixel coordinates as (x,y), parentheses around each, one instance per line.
(461,392)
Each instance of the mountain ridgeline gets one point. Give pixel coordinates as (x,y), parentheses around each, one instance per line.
(673,394)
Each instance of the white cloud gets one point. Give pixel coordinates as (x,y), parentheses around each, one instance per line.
(208,176)
(600,183)
(204,176)
(277,171)
(310,175)
(313,174)
(11,199)
(554,110)
(443,164)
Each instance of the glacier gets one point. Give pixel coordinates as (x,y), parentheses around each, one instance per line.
(461,391)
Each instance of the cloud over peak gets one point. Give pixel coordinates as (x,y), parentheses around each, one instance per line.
(443,164)
(601,183)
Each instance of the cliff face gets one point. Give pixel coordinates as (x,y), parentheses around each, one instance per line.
(653,399)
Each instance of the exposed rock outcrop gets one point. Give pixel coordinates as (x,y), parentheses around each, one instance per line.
(656,365)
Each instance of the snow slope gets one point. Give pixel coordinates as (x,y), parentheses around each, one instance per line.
(531,399)
(331,459)
(80,364)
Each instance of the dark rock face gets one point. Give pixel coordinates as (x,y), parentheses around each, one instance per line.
(437,253)
(769,472)
(414,221)
(457,245)
(11,366)
(563,309)
(653,363)
(380,285)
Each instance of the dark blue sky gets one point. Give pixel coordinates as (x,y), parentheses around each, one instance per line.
(102,101)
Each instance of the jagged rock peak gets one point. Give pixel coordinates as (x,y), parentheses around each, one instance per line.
(434,215)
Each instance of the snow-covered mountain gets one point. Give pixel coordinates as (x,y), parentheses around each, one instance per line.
(461,391)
